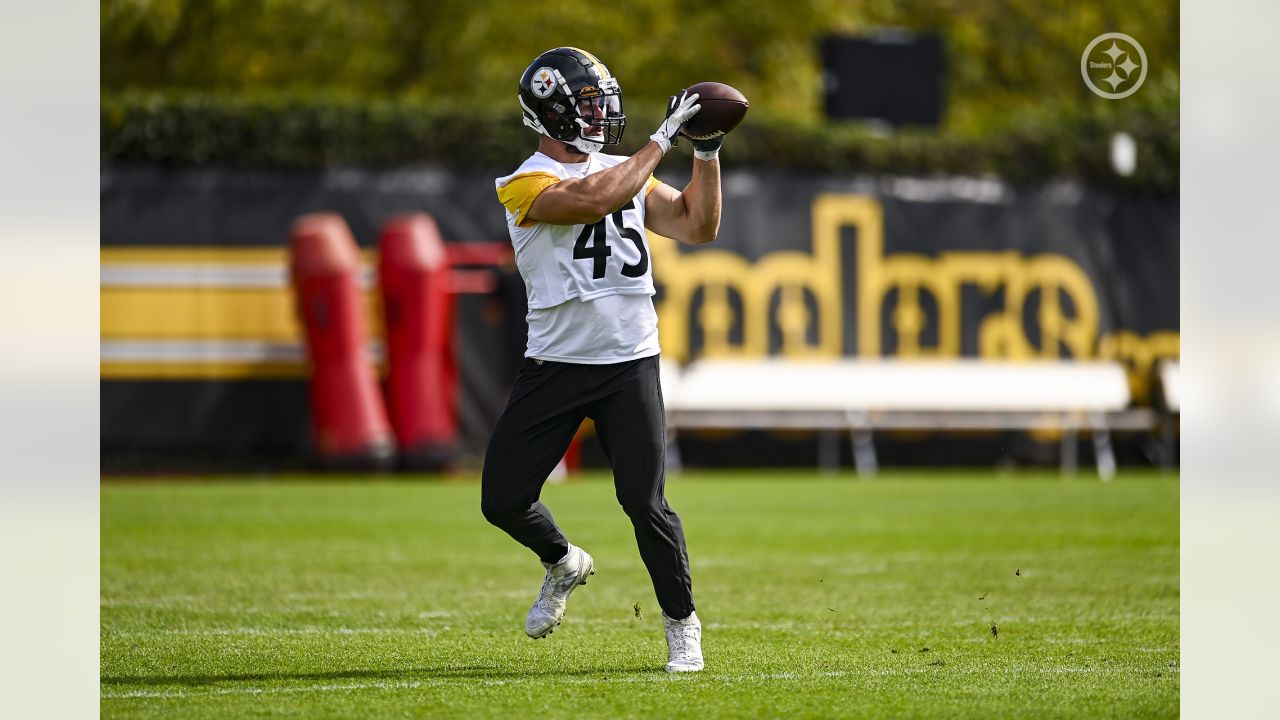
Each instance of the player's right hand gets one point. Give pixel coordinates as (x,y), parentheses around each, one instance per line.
(708,149)
(679,110)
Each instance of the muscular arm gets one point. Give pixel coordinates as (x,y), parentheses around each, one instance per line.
(691,216)
(582,201)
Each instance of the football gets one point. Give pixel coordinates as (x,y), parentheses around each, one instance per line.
(723,107)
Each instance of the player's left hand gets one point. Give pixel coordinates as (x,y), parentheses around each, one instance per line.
(708,149)
(679,110)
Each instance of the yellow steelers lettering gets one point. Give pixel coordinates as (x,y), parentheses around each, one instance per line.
(797,297)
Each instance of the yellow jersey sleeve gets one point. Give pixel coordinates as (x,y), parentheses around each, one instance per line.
(649,186)
(520,192)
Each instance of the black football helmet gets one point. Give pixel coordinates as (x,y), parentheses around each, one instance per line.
(570,96)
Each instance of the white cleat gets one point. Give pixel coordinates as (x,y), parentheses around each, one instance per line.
(684,644)
(562,579)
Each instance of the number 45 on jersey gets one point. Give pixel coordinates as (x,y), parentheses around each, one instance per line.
(593,245)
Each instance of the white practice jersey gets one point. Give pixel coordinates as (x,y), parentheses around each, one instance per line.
(589,287)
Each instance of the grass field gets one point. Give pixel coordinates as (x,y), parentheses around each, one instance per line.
(914,595)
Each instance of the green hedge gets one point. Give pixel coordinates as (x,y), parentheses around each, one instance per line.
(317,132)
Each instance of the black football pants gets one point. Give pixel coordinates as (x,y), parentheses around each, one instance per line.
(548,403)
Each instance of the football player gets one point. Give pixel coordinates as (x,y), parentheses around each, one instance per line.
(577,218)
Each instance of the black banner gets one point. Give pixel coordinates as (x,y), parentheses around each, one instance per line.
(804,267)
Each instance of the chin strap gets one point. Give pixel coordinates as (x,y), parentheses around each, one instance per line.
(586,146)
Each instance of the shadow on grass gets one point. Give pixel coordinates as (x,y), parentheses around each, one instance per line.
(477,672)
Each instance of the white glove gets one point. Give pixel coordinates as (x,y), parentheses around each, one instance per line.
(679,110)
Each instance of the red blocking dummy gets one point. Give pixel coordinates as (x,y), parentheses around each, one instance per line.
(347,414)
(422,379)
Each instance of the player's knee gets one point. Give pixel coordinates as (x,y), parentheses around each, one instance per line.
(496,511)
(495,505)
(639,504)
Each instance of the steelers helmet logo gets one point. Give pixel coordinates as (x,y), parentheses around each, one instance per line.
(543,83)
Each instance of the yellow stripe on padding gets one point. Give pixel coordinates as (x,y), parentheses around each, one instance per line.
(266,314)
(134,255)
(219,370)
(141,255)
(148,317)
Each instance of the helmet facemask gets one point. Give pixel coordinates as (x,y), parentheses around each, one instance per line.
(598,116)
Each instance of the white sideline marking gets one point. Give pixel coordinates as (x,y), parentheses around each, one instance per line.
(344,596)
(436,614)
(172,600)
(307,630)
(832,564)
(649,678)
(165,601)
(412,684)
